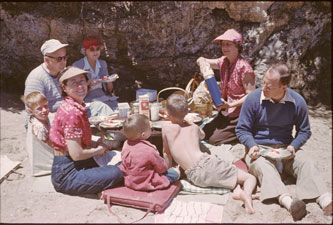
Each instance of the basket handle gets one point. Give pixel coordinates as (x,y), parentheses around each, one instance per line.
(170,88)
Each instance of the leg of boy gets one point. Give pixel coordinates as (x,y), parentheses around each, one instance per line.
(249,183)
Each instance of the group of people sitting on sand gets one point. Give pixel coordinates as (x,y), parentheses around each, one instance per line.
(253,116)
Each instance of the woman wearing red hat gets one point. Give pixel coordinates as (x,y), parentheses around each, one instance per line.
(91,48)
(237,81)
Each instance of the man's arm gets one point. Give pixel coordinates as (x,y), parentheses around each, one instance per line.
(302,125)
(246,123)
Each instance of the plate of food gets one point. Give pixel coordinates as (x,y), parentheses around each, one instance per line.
(112,124)
(193,117)
(274,153)
(162,114)
(158,124)
(110,78)
(97,119)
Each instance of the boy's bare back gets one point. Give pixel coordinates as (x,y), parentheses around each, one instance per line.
(182,142)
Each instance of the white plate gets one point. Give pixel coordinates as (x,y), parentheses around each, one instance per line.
(112,124)
(193,117)
(111,78)
(274,153)
(158,124)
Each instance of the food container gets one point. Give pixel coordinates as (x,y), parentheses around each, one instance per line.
(135,108)
(154,111)
(124,109)
(144,105)
(151,93)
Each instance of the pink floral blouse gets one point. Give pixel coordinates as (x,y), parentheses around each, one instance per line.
(232,77)
(70,121)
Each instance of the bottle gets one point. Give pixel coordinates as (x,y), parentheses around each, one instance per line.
(154,112)
(210,80)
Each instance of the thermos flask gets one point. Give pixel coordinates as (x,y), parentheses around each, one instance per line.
(213,89)
(210,80)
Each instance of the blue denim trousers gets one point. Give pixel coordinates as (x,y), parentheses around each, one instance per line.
(172,175)
(83,177)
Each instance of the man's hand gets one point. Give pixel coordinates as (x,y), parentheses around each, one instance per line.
(254,152)
(292,150)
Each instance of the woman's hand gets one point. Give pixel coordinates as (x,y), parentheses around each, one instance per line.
(101,150)
(93,82)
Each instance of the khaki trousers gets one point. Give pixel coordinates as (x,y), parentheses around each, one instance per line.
(309,183)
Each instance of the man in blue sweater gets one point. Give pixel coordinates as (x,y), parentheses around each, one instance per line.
(267,118)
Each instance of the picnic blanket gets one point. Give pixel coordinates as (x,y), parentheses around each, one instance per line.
(191,212)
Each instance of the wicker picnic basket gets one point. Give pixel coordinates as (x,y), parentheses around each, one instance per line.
(204,109)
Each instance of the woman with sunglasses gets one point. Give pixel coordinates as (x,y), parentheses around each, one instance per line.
(91,48)
(74,171)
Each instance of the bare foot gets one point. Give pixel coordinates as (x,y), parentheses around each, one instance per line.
(239,194)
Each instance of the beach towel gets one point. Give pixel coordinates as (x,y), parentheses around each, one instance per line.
(188,187)
(191,212)
(40,154)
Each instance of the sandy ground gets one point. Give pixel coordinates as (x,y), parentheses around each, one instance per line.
(23,202)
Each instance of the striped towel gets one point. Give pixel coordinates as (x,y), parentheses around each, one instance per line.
(191,212)
(188,187)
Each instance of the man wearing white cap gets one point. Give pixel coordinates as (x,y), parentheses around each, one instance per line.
(237,81)
(44,78)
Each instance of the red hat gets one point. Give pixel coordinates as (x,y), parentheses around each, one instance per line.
(229,35)
(90,41)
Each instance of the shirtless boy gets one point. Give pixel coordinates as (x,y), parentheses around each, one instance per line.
(181,144)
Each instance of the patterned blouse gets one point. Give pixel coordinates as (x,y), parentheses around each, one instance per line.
(40,130)
(232,77)
(70,121)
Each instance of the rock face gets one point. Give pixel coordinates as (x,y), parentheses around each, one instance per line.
(155,44)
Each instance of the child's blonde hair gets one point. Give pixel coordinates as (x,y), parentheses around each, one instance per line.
(33,99)
(177,106)
(134,125)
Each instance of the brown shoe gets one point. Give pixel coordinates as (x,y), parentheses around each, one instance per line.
(297,209)
(328,210)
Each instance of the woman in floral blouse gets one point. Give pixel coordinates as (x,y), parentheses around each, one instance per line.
(74,170)
(237,81)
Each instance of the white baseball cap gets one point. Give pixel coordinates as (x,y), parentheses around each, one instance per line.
(51,45)
(69,72)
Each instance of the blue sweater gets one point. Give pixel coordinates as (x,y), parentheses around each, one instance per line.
(270,123)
